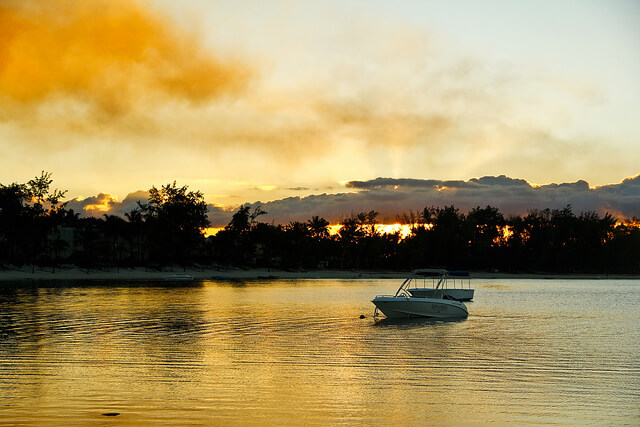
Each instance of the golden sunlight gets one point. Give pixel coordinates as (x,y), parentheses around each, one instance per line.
(630,223)
(102,203)
(106,54)
(212,231)
(98,208)
(404,229)
(506,234)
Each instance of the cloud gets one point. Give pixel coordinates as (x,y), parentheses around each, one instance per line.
(118,82)
(117,68)
(107,204)
(101,60)
(104,203)
(94,206)
(368,119)
(392,197)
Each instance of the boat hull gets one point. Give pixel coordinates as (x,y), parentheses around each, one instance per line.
(434,308)
(457,294)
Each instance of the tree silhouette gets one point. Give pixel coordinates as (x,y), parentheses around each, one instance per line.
(449,237)
(318,227)
(26,212)
(235,244)
(36,228)
(135,234)
(176,219)
(298,238)
(486,227)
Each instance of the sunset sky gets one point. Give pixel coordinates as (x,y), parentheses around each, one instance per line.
(260,101)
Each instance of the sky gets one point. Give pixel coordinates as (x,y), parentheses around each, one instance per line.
(292,102)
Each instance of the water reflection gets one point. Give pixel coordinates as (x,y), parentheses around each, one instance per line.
(296,352)
(413,322)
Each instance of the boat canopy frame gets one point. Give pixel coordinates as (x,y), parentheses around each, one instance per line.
(440,279)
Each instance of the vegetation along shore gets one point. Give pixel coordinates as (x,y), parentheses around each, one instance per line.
(39,235)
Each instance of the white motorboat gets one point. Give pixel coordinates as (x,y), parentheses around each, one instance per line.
(435,308)
(403,304)
(429,283)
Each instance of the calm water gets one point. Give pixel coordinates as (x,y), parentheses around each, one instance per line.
(296,352)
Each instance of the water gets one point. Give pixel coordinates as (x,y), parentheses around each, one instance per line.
(296,352)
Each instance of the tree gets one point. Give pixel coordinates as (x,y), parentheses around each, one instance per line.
(486,229)
(318,227)
(298,237)
(243,220)
(39,193)
(415,219)
(320,250)
(14,220)
(114,228)
(448,238)
(593,235)
(368,222)
(357,236)
(136,233)
(237,242)
(27,214)
(176,220)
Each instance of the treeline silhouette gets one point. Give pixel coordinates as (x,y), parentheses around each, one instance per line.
(36,228)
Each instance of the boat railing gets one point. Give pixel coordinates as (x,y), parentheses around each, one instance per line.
(440,279)
(406,295)
(461,277)
(434,281)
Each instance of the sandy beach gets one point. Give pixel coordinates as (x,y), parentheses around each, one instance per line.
(74,273)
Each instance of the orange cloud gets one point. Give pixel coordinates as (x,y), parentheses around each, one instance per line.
(97,205)
(105,55)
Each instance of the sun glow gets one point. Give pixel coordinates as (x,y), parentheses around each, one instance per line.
(630,223)
(101,203)
(97,208)
(506,235)
(212,231)
(267,187)
(404,230)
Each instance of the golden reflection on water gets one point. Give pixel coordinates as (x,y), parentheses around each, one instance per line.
(296,352)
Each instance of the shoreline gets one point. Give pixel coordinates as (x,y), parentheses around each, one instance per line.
(132,274)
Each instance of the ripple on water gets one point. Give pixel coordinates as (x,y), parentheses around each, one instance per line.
(295,352)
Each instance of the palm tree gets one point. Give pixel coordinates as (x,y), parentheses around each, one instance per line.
(297,235)
(318,227)
(136,225)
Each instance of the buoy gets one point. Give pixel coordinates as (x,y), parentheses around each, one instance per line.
(362,316)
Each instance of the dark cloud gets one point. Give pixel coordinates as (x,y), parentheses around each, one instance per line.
(218,216)
(392,197)
(501,180)
(401,182)
(105,203)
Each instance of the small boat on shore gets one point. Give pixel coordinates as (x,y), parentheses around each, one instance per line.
(179,278)
(435,304)
(455,284)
